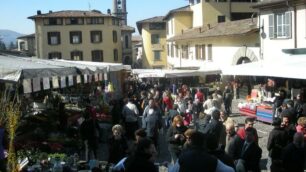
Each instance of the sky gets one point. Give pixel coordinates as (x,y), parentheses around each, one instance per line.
(14,13)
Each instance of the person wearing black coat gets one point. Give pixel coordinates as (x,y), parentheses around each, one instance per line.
(176,137)
(118,145)
(143,158)
(277,140)
(214,128)
(293,155)
(250,153)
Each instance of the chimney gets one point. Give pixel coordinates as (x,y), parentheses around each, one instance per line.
(38,12)
(208,26)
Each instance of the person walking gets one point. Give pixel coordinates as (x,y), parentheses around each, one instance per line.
(130,115)
(152,121)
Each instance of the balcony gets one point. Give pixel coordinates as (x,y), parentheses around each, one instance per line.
(157,47)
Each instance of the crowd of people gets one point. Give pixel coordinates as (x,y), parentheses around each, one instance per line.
(200,133)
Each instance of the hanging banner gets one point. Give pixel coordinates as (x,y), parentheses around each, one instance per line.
(96,77)
(85,78)
(27,87)
(100,76)
(63,81)
(36,84)
(78,79)
(55,82)
(89,78)
(70,80)
(105,76)
(46,83)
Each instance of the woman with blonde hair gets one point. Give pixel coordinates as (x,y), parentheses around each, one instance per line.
(118,146)
(176,137)
(301,126)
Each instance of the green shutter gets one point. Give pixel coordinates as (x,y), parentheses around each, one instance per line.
(288,25)
(271,26)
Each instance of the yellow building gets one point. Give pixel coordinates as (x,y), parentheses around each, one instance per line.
(153,32)
(78,35)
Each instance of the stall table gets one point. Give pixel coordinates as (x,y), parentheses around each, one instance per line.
(264,114)
(248,111)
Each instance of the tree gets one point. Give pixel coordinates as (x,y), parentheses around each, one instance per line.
(2,45)
(12,46)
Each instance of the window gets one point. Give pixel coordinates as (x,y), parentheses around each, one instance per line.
(97,56)
(198,52)
(185,51)
(95,20)
(74,21)
(76,55)
(154,39)
(221,19)
(156,55)
(115,21)
(176,51)
(55,55)
(53,21)
(115,55)
(172,50)
(76,37)
(114,36)
(96,36)
(209,51)
(54,38)
(203,57)
(280,25)
(168,49)
(22,46)
(126,41)
(157,26)
(191,2)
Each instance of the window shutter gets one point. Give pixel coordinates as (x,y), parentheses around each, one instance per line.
(288,25)
(58,38)
(49,38)
(271,26)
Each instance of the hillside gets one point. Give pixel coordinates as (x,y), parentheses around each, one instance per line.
(9,36)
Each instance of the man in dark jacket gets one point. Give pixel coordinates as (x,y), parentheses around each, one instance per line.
(294,154)
(195,158)
(214,128)
(250,153)
(278,139)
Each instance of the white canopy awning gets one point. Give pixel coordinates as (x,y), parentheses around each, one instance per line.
(289,66)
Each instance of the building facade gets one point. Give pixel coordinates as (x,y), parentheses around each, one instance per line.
(78,35)
(26,44)
(212,34)
(153,32)
(137,51)
(282,28)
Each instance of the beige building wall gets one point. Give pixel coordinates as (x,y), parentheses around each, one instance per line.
(207,12)
(148,54)
(65,47)
(182,22)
